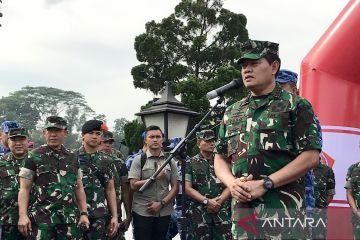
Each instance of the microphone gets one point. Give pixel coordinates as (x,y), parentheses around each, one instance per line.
(223,89)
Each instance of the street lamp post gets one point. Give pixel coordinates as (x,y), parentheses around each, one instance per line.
(169,114)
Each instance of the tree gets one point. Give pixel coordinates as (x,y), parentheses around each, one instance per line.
(17,108)
(132,133)
(32,105)
(119,132)
(195,48)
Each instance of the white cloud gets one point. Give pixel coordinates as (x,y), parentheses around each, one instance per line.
(87,45)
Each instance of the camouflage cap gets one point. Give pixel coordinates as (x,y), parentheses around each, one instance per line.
(205,134)
(55,122)
(254,49)
(106,136)
(285,76)
(18,132)
(7,125)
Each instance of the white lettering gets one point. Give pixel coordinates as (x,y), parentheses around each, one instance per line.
(266,220)
(281,224)
(322,221)
(298,221)
(311,221)
(289,221)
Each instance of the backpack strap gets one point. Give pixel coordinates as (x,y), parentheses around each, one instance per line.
(143,161)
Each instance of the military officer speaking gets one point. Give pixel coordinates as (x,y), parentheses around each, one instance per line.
(267,142)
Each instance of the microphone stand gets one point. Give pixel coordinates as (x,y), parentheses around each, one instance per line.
(175,151)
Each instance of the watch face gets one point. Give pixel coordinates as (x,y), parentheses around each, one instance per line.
(205,201)
(268,184)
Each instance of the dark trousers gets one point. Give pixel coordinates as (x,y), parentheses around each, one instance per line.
(150,228)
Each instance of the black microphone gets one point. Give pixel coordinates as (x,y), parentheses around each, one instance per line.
(222,90)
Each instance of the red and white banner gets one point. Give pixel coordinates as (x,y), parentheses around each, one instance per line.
(330,80)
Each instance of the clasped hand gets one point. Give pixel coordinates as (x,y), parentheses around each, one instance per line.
(247,189)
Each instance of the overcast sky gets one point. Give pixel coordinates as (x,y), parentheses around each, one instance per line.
(87,45)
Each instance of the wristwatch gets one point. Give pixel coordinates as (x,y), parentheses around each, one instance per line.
(205,201)
(268,183)
(84,214)
(163,203)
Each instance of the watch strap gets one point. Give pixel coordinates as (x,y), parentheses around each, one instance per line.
(84,214)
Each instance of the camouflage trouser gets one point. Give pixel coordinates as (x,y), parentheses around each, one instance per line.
(319,232)
(355,226)
(10,232)
(97,229)
(211,231)
(44,231)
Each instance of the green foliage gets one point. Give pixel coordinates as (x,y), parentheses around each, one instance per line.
(32,105)
(195,49)
(132,132)
(15,107)
(119,134)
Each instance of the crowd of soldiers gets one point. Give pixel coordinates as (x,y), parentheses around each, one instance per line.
(51,192)
(265,164)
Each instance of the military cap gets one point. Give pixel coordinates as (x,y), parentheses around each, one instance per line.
(18,132)
(254,49)
(205,134)
(93,125)
(55,122)
(285,76)
(106,136)
(7,125)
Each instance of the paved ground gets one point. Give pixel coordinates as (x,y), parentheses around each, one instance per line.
(129,236)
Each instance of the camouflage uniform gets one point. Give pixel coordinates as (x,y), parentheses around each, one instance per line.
(261,135)
(200,172)
(120,177)
(9,188)
(95,180)
(353,183)
(288,78)
(324,187)
(118,154)
(54,174)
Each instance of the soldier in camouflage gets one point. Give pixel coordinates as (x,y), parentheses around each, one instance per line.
(122,185)
(324,193)
(98,179)
(210,204)
(352,186)
(55,176)
(5,127)
(267,142)
(9,183)
(287,80)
